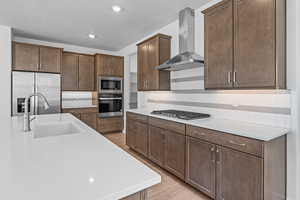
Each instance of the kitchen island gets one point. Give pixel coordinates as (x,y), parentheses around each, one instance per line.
(64,159)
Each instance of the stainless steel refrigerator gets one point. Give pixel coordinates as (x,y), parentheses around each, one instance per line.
(26,83)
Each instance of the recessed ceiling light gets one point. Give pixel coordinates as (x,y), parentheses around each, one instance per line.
(92,36)
(116,8)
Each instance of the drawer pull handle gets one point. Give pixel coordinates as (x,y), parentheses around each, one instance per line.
(203,134)
(232,142)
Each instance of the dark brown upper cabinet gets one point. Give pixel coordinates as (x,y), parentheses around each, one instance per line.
(219,46)
(108,65)
(151,53)
(35,58)
(25,57)
(50,59)
(245,45)
(86,72)
(69,71)
(78,72)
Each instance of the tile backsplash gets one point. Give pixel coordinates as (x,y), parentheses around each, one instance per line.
(79,99)
(271,107)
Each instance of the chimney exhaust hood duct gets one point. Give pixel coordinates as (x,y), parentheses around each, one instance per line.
(187,57)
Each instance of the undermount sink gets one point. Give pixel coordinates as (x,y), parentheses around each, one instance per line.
(54,129)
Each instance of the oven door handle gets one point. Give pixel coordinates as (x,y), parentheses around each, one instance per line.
(117,98)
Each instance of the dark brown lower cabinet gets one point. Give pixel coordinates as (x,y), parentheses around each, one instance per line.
(223,173)
(137,196)
(90,119)
(130,133)
(221,165)
(87,115)
(166,148)
(110,124)
(201,165)
(77,115)
(137,135)
(156,145)
(239,175)
(141,138)
(175,153)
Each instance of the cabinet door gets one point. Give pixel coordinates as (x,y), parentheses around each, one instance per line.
(175,153)
(142,66)
(117,66)
(218,68)
(200,165)
(106,69)
(70,72)
(130,133)
(255,44)
(156,145)
(50,60)
(90,119)
(77,115)
(25,57)
(152,75)
(141,138)
(239,175)
(86,73)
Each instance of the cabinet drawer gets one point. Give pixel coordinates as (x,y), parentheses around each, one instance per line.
(106,125)
(169,125)
(239,143)
(205,134)
(243,144)
(137,117)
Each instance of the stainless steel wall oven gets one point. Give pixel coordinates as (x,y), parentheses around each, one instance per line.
(110,105)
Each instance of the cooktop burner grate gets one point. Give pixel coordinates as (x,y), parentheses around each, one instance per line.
(180,114)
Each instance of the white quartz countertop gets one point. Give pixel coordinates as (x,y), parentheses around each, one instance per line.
(245,129)
(81,166)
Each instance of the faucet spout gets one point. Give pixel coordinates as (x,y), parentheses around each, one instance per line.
(26,110)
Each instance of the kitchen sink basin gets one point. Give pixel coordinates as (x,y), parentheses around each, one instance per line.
(54,129)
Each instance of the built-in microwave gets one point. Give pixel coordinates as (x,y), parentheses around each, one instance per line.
(110,85)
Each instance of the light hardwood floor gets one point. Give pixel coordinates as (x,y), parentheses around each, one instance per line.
(171,188)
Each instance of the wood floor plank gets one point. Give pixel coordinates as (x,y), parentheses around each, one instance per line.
(171,188)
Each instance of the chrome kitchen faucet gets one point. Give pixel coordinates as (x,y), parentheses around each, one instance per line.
(27,119)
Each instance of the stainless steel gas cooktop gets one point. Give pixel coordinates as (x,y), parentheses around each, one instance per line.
(180,114)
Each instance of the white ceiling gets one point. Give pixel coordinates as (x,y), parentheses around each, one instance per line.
(70,21)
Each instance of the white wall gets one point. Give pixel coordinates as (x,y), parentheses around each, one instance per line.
(297,118)
(5,71)
(293,74)
(277,99)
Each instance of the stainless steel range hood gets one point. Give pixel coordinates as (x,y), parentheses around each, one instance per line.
(187,57)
